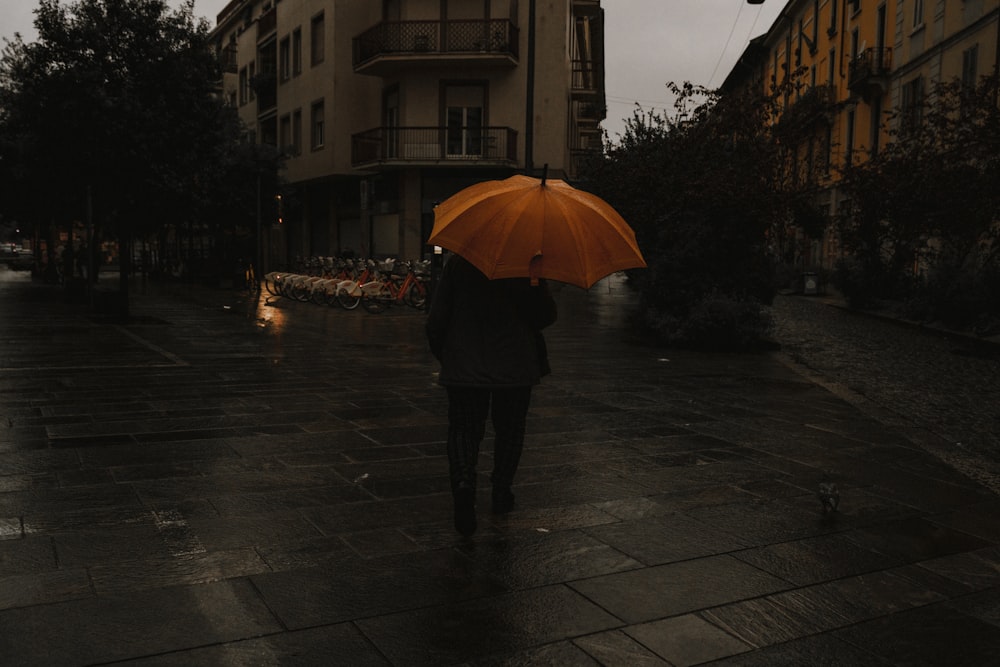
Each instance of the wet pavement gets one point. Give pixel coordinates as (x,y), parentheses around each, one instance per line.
(220,482)
(943,387)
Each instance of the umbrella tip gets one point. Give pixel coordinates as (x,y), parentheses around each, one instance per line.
(545,173)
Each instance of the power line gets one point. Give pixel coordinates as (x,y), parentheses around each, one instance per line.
(752,27)
(631,100)
(726,47)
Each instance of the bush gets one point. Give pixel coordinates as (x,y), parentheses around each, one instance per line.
(716,323)
(962,297)
(859,284)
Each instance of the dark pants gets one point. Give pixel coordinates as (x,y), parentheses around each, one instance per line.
(467,411)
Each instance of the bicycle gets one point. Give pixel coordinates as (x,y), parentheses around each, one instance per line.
(349,292)
(273,282)
(408,286)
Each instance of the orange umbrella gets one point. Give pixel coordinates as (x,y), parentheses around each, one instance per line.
(523,227)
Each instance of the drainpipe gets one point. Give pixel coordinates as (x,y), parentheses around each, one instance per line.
(529,120)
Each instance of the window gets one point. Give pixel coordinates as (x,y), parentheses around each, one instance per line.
(297,132)
(827,150)
(252,70)
(833,17)
(284,133)
(244,86)
(849,154)
(815,26)
(390,120)
(918,13)
(284,59)
(912,103)
(316,39)
(316,136)
(798,49)
(831,67)
(970,68)
(296,52)
(465,118)
(876,125)
(465,131)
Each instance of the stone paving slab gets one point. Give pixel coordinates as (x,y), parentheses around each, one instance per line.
(218,481)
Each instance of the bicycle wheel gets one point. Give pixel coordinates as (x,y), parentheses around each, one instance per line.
(348,300)
(330,296)
(318,295)
(375,302)
(416,296)
(271,286)
(299,291)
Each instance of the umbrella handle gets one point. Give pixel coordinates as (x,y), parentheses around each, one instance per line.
(535,268)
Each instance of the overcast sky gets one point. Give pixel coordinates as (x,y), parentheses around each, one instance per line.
(648,43)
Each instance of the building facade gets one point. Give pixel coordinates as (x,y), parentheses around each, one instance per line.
(867,62)
(381,108)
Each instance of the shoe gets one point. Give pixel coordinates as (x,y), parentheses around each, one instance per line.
(465,511)
(503,500)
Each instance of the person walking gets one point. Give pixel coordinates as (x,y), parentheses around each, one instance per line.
(487,336)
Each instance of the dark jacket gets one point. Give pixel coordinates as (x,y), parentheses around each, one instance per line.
(487,333)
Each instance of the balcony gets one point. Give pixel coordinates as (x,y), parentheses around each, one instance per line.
(434,146)
(815,105)
(868,73)
(584,149)
(589,113)
(265,89)
(588,79)
(587,7)
(267,23)
(385,47)
(228,60)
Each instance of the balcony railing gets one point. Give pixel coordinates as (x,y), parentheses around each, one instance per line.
(814,105)
(227,59)
(589,112)
(434,145)
(587,77)
(265,88)
(436,38)
(267,23)
(870,68)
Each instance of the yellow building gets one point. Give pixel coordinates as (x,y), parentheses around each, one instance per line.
(385,107)
(869,59)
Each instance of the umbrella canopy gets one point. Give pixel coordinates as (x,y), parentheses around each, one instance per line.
(524,227)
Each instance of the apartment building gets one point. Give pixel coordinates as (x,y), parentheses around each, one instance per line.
(869,58)
(384,107)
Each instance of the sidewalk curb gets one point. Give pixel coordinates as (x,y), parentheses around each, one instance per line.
(992,342)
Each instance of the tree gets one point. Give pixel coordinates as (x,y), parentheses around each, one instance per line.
(923,214)
(112,116)
(704,191)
